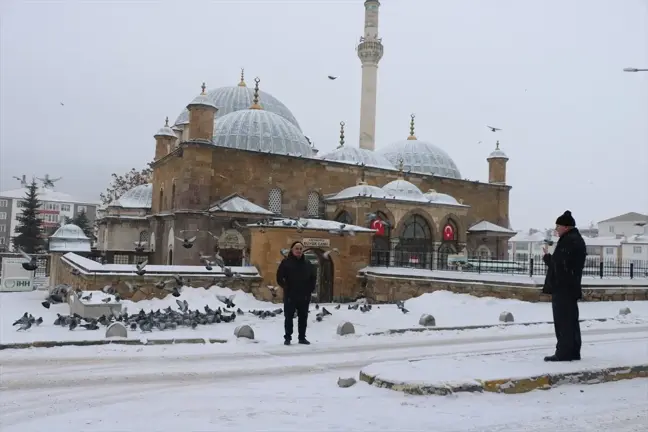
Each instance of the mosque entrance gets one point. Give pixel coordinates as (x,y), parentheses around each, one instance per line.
(324,268)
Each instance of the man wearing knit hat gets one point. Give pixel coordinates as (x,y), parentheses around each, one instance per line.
(563,282)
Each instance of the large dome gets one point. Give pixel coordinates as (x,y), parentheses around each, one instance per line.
(139,197)
(358,156)
(230,99)
(421,157)
(404,190)
(262,131)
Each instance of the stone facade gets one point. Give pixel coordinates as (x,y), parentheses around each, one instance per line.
(393,288)
(354,253)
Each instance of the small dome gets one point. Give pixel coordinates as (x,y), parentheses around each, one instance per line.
(237,98)
(422,157)
(262,131)
(440,198)
(201,100)
(497,153)
(356,156)
(404,190)
(165,131)
(69,232)
(139,197)
(361,190)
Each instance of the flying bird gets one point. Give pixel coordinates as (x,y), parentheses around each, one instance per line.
(332,77)
(493,129)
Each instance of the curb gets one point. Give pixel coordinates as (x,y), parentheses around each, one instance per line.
(475,327)
(51,344)
(515,385)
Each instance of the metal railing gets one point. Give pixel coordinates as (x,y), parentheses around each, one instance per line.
(435,260)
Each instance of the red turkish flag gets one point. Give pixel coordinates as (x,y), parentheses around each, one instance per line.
(448,233)
(379,226)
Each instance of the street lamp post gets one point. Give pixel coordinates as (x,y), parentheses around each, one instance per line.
(630,69)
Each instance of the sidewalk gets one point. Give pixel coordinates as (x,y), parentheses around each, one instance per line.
(512,371)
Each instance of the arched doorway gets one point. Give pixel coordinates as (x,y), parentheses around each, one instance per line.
(324,268)
(230,247)
(414,243)
(449,245)
(381,246)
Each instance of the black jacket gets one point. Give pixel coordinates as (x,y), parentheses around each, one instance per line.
(297,277)
(565,267)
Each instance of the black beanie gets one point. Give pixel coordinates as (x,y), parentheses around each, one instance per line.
(566,219)
(294,243)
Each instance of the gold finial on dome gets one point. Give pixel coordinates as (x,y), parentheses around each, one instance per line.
(166,122)
(255,101)
(341,134)
(242,82)
(411,135)
(203,87)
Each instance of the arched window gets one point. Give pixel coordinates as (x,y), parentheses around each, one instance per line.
(344,217)
(483,252)
(173,194)
(274,200)
(313,206)
(161,204)
(414,244)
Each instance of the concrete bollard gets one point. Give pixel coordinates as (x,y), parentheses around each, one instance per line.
(346,382)
(345,328)
(116,329)
(244,331)
(427,320)
(625,311)
(506,317)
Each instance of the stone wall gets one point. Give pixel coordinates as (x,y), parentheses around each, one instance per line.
(253,174)
(393,288)
(355,253)
(61,274)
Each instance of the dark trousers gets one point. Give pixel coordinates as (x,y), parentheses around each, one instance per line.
(567,327)
(290,307)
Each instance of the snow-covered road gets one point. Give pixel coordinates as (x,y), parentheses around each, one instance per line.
(289,388)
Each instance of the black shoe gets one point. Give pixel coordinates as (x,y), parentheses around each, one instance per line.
(576,357)
(304,342)
(555,358)
(286,341)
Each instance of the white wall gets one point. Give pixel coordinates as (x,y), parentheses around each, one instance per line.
(607,229)
(635,251)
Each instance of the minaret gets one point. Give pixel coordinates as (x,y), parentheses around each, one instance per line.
(201,117)
(370,51)
(165,138)
(497,166)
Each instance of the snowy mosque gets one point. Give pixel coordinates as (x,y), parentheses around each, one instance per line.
(235,170)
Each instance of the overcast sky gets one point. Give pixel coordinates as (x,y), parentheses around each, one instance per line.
(548,72)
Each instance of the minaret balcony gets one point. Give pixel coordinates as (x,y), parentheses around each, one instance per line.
(370,51)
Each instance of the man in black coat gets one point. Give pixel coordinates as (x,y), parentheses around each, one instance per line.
(298,278)
(563,282)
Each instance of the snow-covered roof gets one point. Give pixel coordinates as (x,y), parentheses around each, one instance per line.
(237,204)
(202,100)
(360,190)
(358,156)
(525,237)
(69,232)
(312,224)
(603,241)
(441,198)
(404,190)
(628,217)
(637,239)
(69,238)
(88,266)
(45,194)
(485,226)
(165,131)
(139,197)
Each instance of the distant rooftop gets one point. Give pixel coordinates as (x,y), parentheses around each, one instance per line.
(45,194)
(628,217)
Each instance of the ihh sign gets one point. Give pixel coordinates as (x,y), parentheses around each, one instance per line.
(15,277)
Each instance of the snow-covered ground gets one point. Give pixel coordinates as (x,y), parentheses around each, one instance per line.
(291,389)
(449,310)
(468,370)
